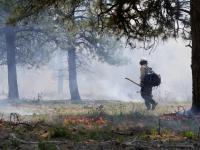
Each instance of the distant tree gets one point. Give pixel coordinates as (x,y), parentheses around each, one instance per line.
(78,37)
(20,44)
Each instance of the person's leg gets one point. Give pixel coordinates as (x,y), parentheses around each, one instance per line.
(150,98)
(152,101)
(146,101)
(147,104)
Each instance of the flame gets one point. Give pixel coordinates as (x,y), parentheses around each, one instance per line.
(81,120)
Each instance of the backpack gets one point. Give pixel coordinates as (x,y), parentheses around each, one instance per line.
(152,79)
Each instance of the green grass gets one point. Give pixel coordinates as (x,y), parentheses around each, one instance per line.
(46,146)
(189,134)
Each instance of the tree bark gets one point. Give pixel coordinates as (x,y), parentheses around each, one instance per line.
(73,85)
(11,63)
(60,73)
(195,27)
(60,82)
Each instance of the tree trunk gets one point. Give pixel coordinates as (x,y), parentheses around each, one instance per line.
(73,86)
(60,73)
(60,82)
(195,27)
(11,63)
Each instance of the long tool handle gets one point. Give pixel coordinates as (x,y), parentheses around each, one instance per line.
(133,82)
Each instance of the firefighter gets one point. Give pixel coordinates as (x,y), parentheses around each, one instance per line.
(146,89)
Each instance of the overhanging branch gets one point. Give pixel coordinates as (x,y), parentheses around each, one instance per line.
(30,29)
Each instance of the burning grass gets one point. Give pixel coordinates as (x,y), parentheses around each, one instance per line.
(107,125)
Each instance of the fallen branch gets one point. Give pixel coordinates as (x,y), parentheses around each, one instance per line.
(181,146)
(29,125)
(13,137)
(144,144)
(123,133)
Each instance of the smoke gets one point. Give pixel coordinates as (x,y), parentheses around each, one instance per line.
(171,60)
(7,108)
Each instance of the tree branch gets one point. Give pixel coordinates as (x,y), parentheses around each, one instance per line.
(184,10)
(30,29)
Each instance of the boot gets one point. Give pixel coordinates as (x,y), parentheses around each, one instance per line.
(154,105)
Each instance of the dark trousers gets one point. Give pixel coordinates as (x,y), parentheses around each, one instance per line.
(146,93)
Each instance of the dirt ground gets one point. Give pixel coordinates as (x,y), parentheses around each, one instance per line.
(62,125)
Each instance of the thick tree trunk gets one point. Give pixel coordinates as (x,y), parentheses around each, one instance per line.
(195,26)
(11,64)
(73,86)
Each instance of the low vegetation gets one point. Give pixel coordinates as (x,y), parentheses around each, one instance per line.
(98,125)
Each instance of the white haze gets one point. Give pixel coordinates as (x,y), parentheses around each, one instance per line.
(104,82)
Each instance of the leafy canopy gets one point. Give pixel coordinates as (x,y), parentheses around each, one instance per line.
(136,19)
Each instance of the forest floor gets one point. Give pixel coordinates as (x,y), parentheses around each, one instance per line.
(61,125)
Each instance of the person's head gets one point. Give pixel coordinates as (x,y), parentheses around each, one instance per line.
(143,62)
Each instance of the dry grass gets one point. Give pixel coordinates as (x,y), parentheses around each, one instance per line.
(92,122)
